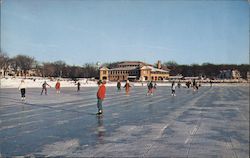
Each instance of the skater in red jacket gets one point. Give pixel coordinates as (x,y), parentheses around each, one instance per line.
(100,96)
(58,87)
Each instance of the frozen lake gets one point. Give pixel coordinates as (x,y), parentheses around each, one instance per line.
(211,123)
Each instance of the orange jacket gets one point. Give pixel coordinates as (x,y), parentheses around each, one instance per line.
(101,92)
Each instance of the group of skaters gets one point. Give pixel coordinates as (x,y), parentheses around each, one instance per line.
(195,85)
(102,89)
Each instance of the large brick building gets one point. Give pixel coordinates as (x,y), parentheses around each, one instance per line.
(134,70)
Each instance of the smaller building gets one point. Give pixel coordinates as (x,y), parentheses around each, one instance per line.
(229,74)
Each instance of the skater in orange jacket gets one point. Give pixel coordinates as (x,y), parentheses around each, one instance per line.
(100,96)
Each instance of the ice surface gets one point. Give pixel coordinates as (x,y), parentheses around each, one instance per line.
(213,122)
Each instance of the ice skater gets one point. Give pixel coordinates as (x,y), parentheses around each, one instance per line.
(78,86)
(154,88)
(22,87)
(194,85)
(188,84)
(44,87)
(150,88)
(173,87)
(58,87)
(127,87)
(118,86)
(211,83)
(179,84)
(100,96)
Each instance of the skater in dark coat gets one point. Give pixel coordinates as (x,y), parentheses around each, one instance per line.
(118,85)
(179,84)
(44,87)
(150,88)
(78,86)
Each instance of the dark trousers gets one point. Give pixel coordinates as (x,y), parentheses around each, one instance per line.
(23,92)
(173,91)
(44,89)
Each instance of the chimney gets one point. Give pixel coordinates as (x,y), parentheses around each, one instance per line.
(158,64)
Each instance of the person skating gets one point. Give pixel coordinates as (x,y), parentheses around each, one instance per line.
(194,85)
(78,86)
(154,87)
(188,84)
(150,88)
(44,87)
(173,87)
(127,87)
(211,83)
(118,85)
(100,96)
(179,84)
(22,87)
(58,87)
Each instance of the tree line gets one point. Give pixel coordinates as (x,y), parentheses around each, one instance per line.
(207,70)
(21,64)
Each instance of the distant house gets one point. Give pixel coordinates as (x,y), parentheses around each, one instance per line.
(235,74)
(229,74)
(134,70)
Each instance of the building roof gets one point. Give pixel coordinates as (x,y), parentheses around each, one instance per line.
(133,63)
(125,68)
(154,69)
(104,68)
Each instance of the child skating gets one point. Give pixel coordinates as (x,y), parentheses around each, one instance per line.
(22,87)
(58,87)
(100,96)
(44,87)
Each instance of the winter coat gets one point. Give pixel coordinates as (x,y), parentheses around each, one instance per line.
(22,86)
(58,85)
(101,92)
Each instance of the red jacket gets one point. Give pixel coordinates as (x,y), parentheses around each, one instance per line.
(101,92)
(57,85)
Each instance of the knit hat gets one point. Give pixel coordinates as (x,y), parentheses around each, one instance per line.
(99,82)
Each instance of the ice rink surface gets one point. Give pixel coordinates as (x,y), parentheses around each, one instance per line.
(213,122)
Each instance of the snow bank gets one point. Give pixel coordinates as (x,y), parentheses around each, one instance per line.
(37,82)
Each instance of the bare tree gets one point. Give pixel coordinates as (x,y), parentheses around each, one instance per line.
(4,62)
(24,63)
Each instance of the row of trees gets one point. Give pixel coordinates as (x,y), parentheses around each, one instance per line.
(23,63)
(19,63)
(206,69)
